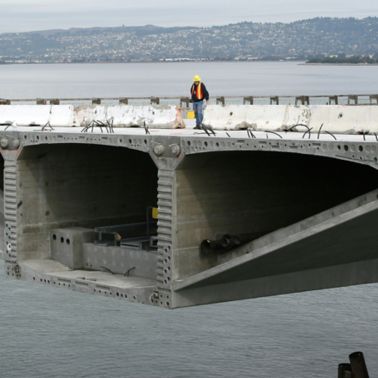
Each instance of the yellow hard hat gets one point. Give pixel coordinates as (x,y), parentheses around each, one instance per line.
(197,78)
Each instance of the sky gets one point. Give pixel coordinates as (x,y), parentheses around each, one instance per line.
(28,15)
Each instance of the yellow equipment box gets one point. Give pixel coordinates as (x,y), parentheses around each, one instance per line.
(155,213)
(190,114)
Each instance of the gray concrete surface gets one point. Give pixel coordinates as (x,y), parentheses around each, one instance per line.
(308,203)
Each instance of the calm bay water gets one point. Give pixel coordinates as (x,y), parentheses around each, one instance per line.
(173,79)
(48,332)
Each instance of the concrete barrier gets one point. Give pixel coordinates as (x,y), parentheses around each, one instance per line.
(128,116)
(153,116)
(335,119)
(25,115)
(342,119)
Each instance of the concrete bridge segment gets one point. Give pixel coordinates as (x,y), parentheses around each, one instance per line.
(302,183)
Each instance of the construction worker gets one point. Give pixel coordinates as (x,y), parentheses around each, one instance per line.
(199,95)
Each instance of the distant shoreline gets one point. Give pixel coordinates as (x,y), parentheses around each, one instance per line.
(300,61)
(339,64)
(315,40)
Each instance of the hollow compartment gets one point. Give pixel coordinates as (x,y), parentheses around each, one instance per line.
(87,213)
(251,194)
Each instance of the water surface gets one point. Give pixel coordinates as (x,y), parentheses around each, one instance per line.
(174,79)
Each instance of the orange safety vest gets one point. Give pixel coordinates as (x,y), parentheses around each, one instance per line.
(198,91)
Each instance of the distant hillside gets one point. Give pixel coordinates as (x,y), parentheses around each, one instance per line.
(342,59)
(243,41)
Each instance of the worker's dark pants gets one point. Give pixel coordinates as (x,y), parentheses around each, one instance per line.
(198,111)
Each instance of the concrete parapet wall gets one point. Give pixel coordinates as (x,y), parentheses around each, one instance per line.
(25,115)
(334,118)
(319,118)
(159,116)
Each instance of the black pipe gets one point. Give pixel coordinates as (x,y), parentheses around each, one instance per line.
(344,371)
(358,364)
(224,244)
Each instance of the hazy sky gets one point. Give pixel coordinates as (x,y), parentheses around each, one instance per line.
(24,15)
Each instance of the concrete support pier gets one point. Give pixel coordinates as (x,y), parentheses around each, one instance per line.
(119,201)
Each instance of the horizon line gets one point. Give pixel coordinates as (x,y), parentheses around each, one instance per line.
(188,26)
